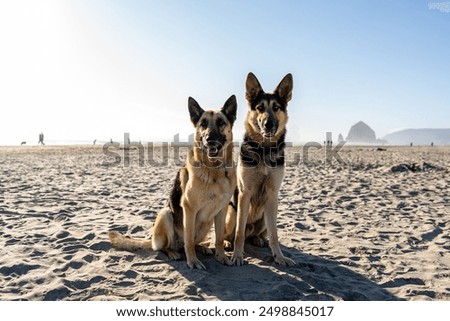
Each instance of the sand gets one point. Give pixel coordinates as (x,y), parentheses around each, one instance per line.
(365,230)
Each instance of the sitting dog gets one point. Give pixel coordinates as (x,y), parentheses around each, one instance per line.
(260,169)
(201,191)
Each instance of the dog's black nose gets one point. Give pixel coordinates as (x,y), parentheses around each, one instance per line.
(210,139)
(269,125)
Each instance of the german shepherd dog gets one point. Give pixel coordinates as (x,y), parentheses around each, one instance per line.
(201,191)
(261,169)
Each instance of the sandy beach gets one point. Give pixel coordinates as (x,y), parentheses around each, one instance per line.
(373,228)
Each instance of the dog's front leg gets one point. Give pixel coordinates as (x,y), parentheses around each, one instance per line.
(239,240)
(189,217)
(270,217)
(219,226)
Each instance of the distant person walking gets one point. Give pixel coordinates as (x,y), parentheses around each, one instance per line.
(41,139)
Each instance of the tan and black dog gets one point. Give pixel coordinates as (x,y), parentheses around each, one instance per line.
(201,191)
(260,169)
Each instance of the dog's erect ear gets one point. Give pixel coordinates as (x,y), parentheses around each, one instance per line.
(253,87)
(229,109)
(284,88)
(194,110)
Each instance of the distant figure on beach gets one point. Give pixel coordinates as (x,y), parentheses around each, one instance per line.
(41,139)
(411,144)
(95,140)
(111,141)
(432,144)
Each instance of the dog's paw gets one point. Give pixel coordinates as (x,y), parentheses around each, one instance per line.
(204,250)
(173,255)
(195,263)
(222,258)
(237,259)
(283,261)
(258,241)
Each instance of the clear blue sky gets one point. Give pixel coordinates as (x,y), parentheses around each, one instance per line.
(80,70)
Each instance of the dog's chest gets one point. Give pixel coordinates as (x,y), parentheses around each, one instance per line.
(219,189)
(213,188)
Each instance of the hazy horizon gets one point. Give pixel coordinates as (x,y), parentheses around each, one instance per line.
(85,70)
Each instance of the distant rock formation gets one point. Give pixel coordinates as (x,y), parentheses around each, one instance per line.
(361,133)
(423,136)
(340,138)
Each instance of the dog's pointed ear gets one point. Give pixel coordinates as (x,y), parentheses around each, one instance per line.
(253,87)
(284,88)
(195,111)
(229,109)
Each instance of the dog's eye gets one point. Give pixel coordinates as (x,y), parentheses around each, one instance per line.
(276,108)
(220,122)
(204,123)
(260,107)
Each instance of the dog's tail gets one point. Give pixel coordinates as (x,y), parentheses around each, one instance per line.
(121,242)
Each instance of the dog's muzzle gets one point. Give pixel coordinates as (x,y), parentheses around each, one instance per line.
(269,128)
(212,146)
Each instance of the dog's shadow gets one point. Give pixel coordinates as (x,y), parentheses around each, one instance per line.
(311,278)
